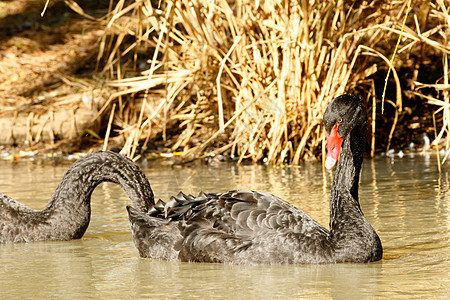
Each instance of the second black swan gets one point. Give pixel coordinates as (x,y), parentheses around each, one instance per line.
(248,227)
(68,212)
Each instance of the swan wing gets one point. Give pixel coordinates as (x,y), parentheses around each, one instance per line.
(245,226)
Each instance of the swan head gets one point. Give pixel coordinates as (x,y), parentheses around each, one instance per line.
(340,118)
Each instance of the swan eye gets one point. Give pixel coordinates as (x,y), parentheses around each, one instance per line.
(339,120)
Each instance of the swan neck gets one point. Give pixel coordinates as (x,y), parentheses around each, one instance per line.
(86,174)
(69,206)
(344,203)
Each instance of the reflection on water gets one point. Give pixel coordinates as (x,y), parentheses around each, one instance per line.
(405,200)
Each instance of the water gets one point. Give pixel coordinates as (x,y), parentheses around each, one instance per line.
(405,200)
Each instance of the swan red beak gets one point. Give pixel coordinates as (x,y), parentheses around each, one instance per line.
(334,143)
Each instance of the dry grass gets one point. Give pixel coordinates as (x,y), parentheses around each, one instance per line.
(37,99)
(252,79)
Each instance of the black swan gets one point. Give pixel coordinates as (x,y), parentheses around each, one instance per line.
(68,212)
(248,227)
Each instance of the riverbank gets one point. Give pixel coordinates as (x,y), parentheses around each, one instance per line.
(214,85)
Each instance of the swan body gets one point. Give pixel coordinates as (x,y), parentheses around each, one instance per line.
(67,214)
(249,227)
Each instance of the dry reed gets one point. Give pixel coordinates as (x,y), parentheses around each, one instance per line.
(252,79)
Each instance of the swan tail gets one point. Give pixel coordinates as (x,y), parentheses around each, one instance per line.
(153,237)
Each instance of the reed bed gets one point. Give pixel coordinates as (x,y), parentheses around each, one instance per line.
(251,79)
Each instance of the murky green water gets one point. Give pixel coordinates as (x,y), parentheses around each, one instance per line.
(405,199)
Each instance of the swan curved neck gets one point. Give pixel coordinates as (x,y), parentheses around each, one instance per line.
(84,175)
(68,210)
